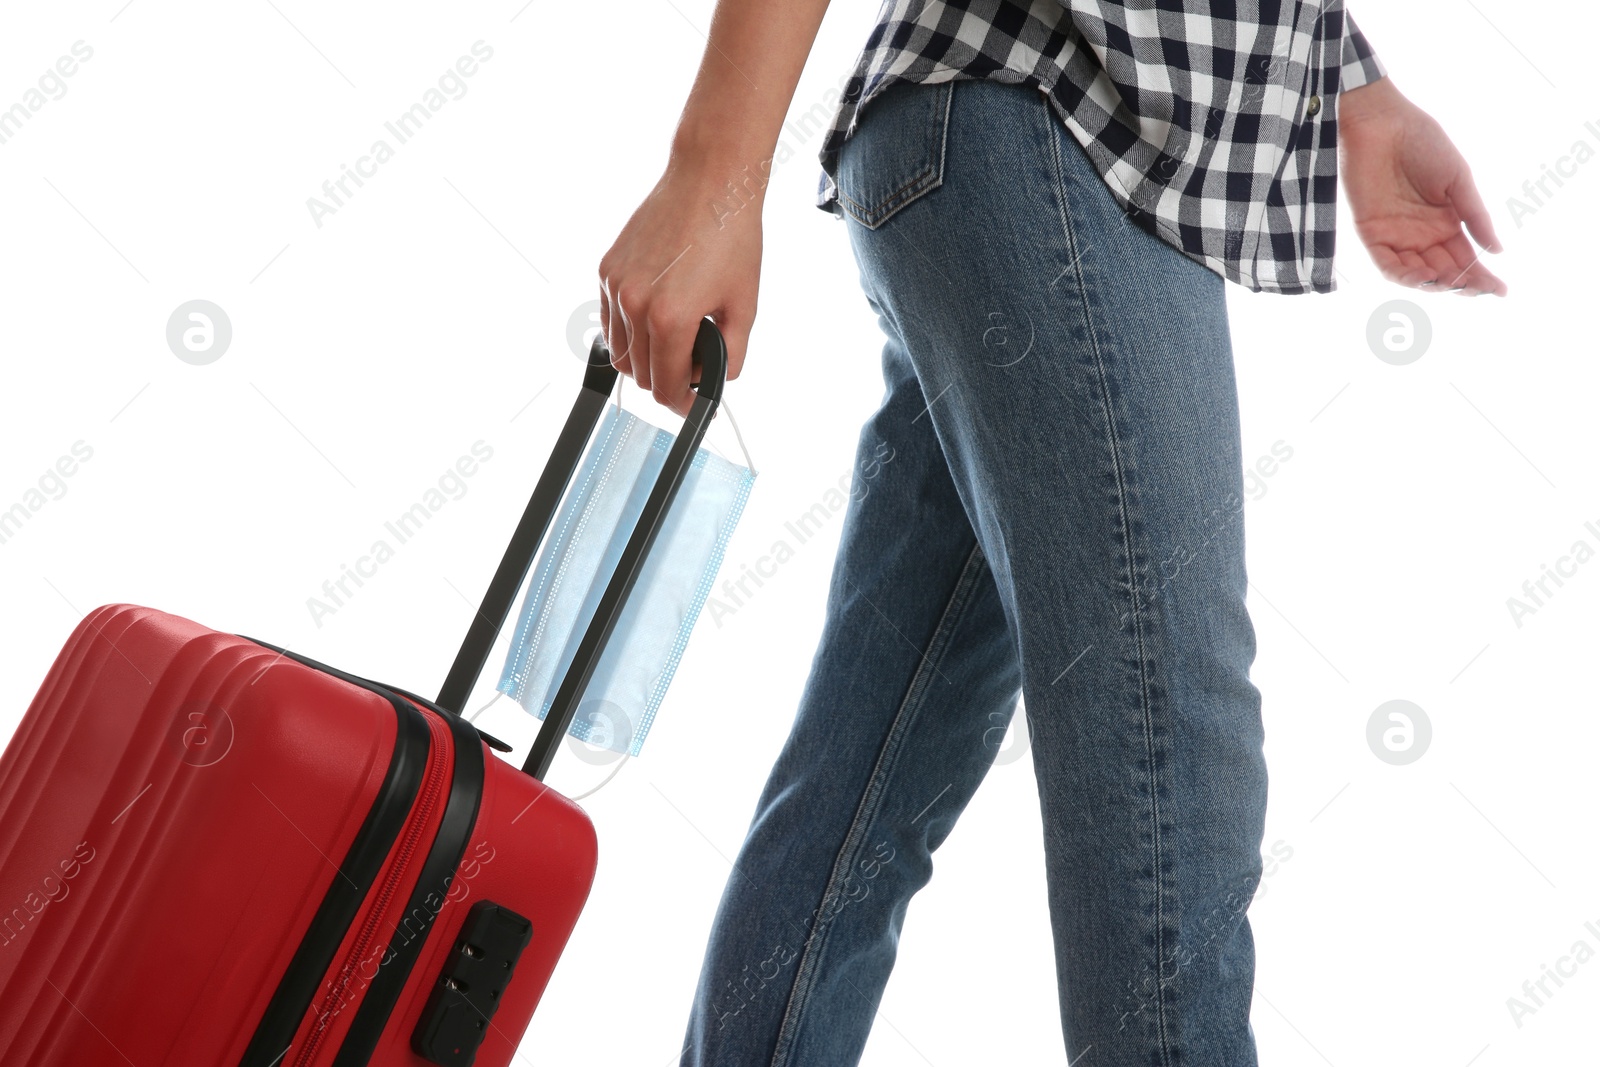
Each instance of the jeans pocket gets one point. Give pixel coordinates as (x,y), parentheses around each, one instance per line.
(896,155)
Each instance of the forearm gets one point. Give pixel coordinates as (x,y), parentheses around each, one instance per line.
(746,81)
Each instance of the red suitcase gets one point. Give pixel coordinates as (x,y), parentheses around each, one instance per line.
(217,852)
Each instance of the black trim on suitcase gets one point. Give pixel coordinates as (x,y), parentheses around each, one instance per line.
(340,905)
(439,870)
(489,739)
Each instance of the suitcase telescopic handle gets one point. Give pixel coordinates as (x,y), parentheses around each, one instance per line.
(711,355)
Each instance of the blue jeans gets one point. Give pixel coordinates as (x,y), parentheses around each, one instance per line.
(1047,502)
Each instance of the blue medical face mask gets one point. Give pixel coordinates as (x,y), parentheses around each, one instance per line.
(585,543)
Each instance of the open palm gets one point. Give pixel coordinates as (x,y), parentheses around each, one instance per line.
(1411,194)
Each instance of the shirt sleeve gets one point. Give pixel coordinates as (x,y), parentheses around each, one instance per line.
(1360,64)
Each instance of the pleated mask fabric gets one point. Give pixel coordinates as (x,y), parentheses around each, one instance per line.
(582,549)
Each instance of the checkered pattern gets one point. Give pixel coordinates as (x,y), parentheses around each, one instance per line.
(1214,124)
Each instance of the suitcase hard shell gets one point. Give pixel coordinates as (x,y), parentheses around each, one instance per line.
(216,851)
(219,795)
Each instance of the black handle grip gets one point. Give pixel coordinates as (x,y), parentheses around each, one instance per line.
(600,377)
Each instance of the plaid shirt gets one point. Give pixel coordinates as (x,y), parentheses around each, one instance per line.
(1214,125)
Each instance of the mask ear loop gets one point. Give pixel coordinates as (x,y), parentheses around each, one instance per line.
(622,380)
(748,462)
(473,717)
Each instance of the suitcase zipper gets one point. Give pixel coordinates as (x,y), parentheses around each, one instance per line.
(432,788)
(362,864)
(430,895)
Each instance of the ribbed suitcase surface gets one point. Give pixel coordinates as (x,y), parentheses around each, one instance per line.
(179,809)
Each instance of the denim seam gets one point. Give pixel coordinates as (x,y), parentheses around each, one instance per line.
(815,945)
(930,177)
(869,216)
(1137,614)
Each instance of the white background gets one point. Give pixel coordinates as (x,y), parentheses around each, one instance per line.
(432,310)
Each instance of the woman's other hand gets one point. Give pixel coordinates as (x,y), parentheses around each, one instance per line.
(1411,194)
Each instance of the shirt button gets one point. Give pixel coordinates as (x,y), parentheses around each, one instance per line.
(1313,105)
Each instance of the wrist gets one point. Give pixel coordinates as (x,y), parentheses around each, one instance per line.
(1374,99)
(718,141)
(719,167)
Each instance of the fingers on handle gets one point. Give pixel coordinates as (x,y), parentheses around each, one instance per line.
(610,326)
(735,324)
(632,309)
(653,342)
(672,336)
